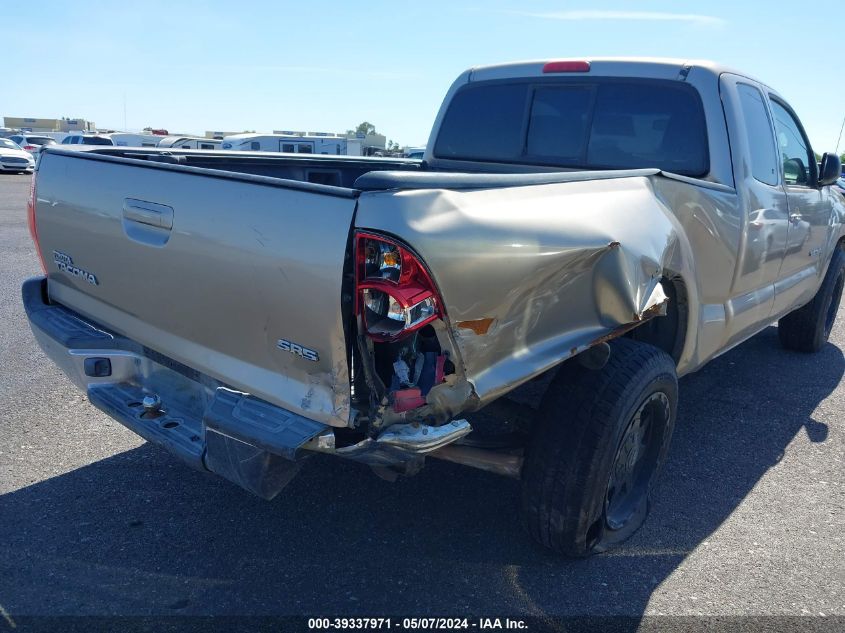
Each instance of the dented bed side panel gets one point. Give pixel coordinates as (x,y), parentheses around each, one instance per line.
(533,275)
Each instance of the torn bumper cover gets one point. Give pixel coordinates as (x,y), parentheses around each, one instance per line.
(208,425)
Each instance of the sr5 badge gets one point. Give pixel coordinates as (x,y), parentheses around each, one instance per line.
(299,350)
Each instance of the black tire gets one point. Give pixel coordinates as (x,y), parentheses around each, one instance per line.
(808,328)
(576,449)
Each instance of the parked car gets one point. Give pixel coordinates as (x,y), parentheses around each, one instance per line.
(87,139)
(582,224)
(839,185)
(32,143)
(13,158)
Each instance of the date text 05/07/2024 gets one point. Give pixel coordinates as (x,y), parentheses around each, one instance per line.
(414,624)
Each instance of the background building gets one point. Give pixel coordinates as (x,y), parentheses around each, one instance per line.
(38,125)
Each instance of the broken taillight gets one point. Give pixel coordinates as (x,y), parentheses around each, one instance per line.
(30,218)
(394,292)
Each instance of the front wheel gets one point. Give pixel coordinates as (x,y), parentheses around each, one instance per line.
(808,328)
(597,448)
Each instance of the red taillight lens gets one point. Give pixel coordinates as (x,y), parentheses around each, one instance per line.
(394,293)
(566,67)
(30,218)
(30,147)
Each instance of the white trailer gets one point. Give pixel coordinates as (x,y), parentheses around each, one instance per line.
(289,144)
(125,139)
(190,142)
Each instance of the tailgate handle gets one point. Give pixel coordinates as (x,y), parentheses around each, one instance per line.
(149,213)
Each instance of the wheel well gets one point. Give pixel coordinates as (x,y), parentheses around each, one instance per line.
(668,332)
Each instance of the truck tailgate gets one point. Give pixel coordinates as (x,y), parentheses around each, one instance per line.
(238,278)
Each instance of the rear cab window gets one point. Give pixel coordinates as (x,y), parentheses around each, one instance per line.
(597,123)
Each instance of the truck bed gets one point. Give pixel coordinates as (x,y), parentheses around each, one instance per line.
(235,264)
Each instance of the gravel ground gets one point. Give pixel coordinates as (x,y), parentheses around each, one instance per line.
(747,520)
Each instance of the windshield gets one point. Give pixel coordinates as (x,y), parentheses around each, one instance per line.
(585,123)
(7,144)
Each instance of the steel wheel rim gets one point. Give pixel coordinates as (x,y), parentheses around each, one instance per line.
(636,460)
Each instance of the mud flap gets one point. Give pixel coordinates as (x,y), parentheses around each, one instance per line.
(254,444)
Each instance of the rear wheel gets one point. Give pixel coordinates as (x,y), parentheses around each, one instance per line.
(808,328)
(597,448)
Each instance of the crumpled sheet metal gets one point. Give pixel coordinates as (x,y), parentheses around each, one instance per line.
(554,268)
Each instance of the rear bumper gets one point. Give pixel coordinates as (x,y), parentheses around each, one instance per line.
(202,421)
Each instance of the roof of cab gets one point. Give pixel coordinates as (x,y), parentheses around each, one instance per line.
(656,67)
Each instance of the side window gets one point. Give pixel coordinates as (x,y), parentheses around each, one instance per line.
(304,149)
(798,162)
(288,148)
(758,131)
(206,146)
(255,145)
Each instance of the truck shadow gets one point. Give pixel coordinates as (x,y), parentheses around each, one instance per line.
(140,533)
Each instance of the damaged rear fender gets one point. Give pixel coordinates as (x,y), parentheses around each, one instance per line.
(531,276)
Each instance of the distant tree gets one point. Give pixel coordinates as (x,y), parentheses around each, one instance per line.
(366,128)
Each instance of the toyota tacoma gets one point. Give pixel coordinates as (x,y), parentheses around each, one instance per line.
(579,234)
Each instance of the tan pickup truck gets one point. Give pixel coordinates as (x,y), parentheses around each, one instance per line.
(588,230)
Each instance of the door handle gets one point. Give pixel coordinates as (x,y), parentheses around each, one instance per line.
(148,213)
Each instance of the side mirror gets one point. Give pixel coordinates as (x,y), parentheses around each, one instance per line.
(830,169)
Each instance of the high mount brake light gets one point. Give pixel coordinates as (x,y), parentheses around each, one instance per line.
(394,293)
(30,219)
(567,67)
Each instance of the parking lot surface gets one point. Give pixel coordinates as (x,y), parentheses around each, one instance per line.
(747,520)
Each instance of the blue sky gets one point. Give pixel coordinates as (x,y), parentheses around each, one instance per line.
(327,65)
